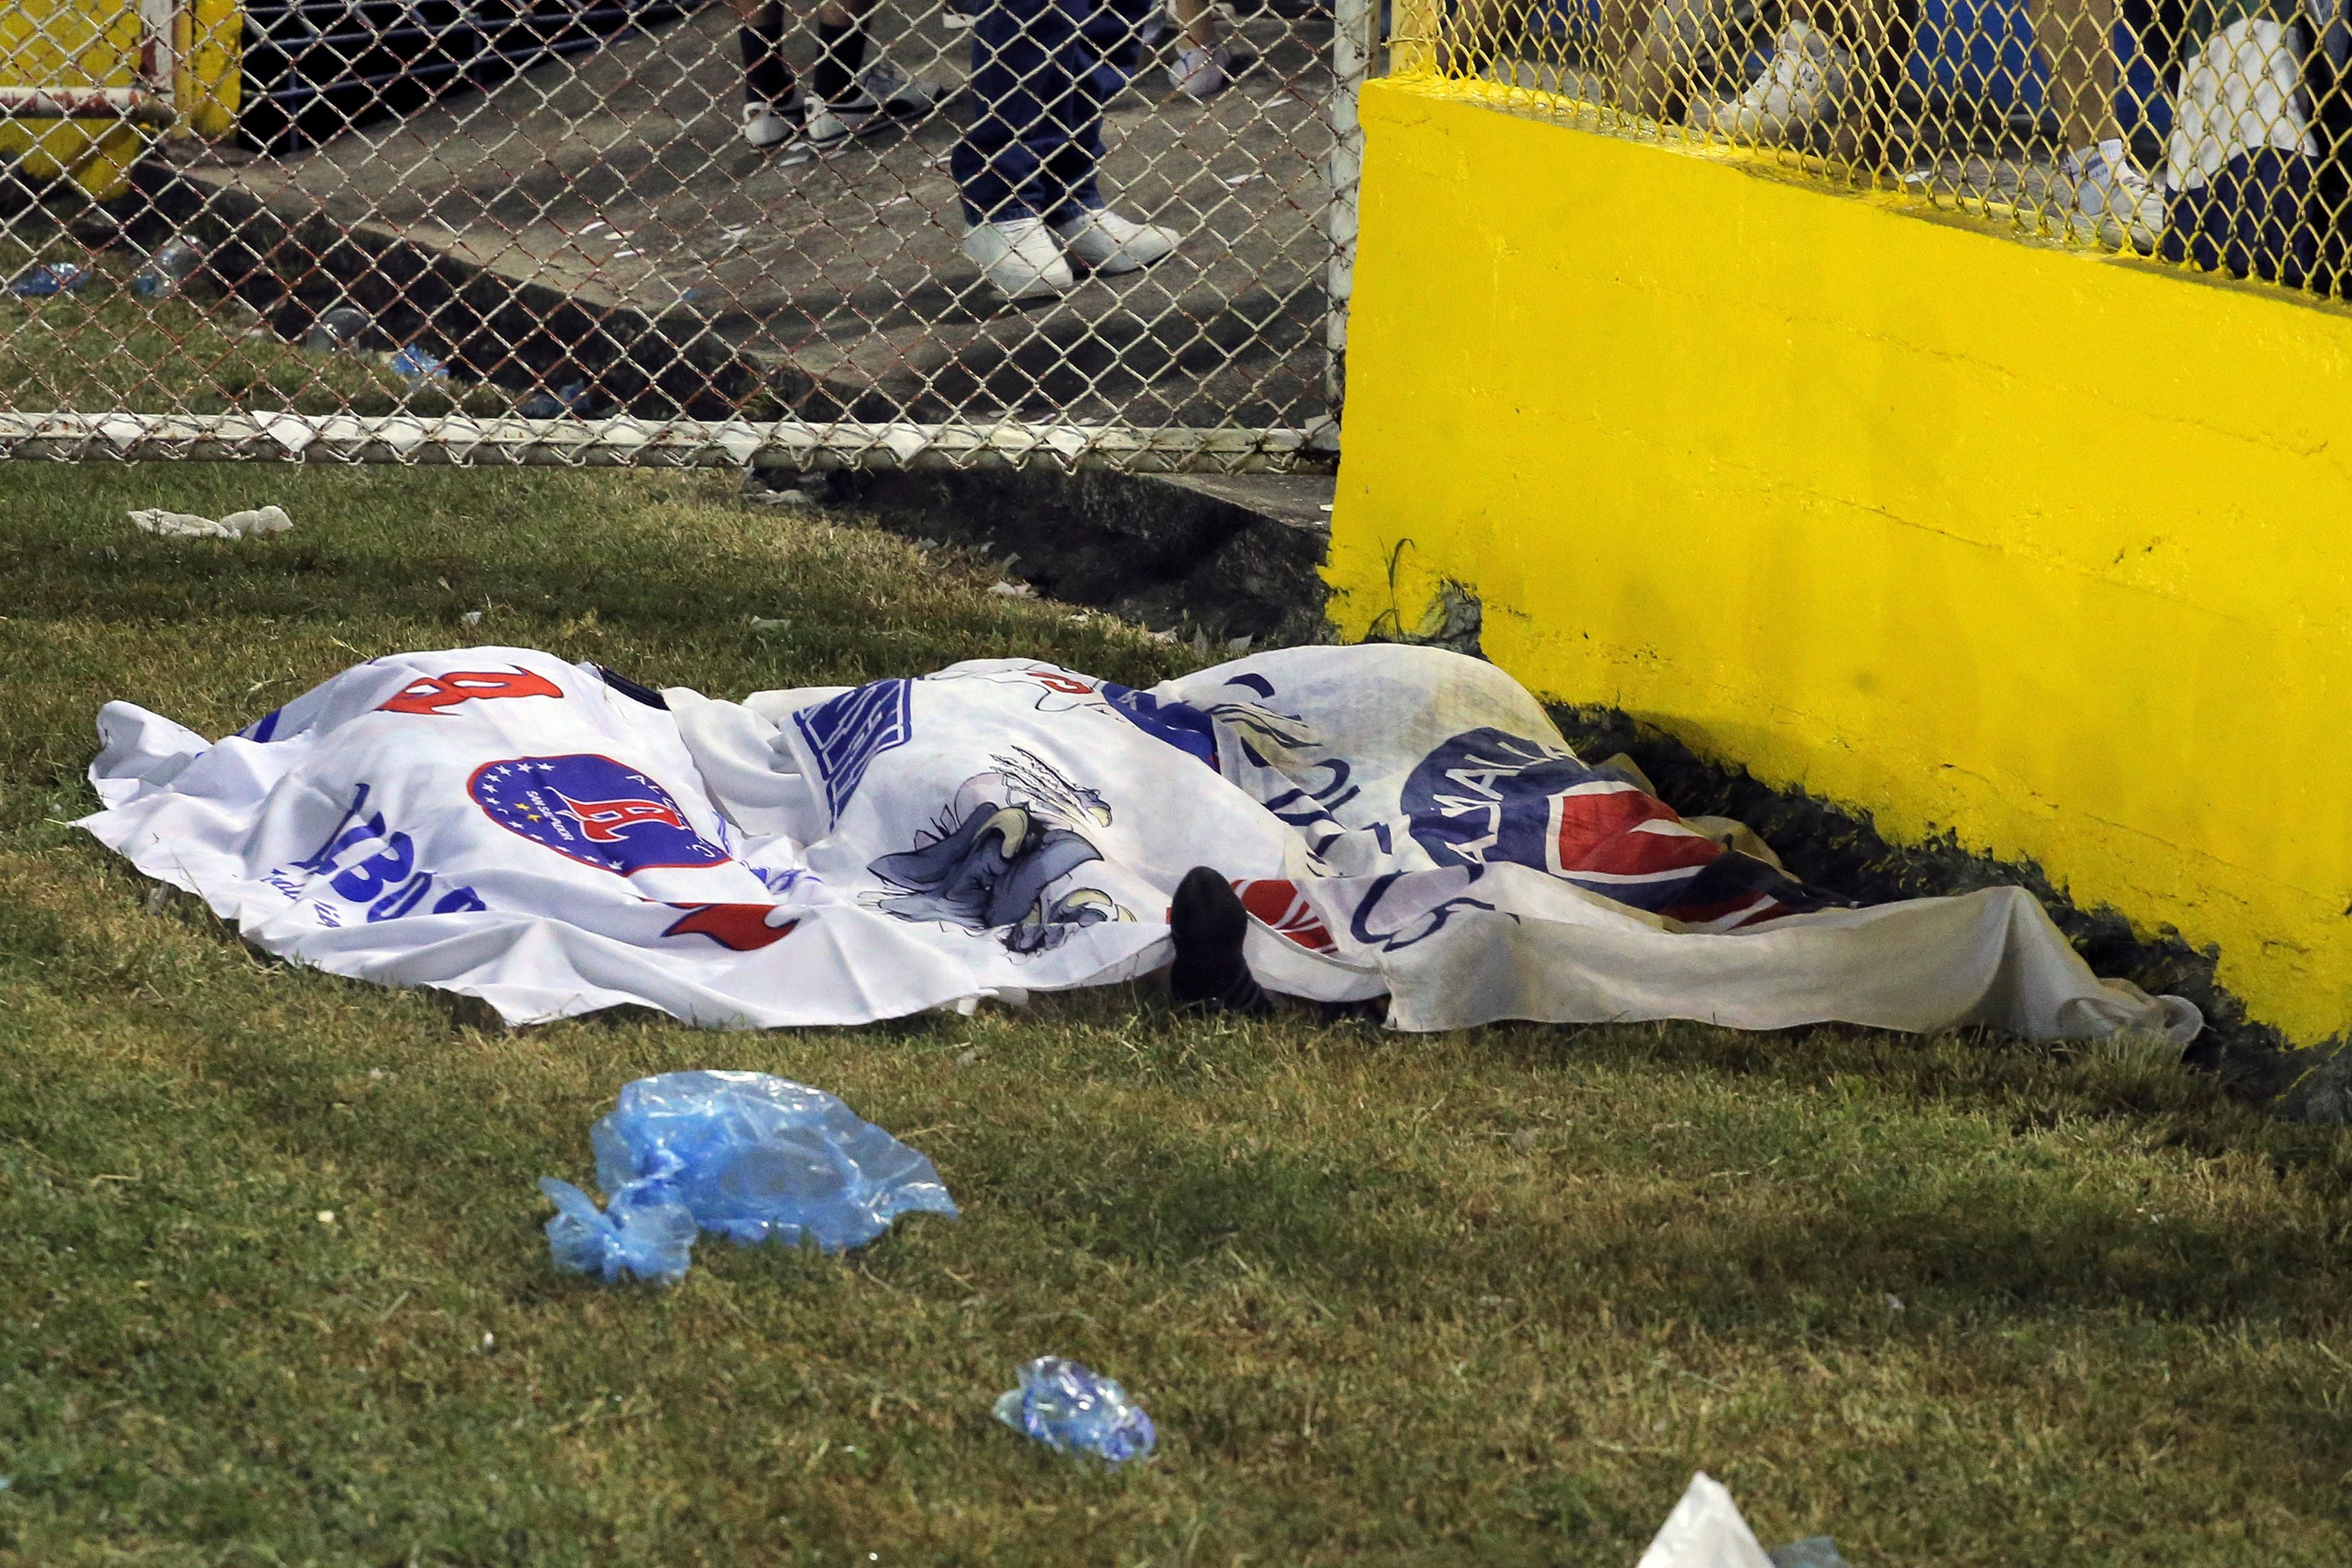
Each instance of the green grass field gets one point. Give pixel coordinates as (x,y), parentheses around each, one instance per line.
(1486,1298)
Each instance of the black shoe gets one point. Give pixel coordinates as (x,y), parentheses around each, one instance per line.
(1207,922)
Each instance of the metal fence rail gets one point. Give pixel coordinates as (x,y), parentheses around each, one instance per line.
(599,231)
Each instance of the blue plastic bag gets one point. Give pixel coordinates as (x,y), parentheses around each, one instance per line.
(652,1241)
(1071,1409)
(419,367)
(750,1157)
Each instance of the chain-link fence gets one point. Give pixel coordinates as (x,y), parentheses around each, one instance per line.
(805,232)
(2211,133)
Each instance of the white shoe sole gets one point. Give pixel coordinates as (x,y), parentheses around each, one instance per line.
(1040,285)
(2109,230)
(790,131)
(1115,268)
(865,122)
(1044,288)
(1034,285)
(864,125)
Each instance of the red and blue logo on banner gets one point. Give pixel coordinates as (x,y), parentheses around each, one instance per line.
(592,809)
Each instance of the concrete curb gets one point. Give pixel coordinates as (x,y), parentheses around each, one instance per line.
(1215,557)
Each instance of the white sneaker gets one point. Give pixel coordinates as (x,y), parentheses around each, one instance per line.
(1805,83)
(2102,182)
(883,93)
(1019,258)
(766,124)
(1204,73)
(1108,243)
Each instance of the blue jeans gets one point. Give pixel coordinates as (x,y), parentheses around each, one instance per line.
(1041,72)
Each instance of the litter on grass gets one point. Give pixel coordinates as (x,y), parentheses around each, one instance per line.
(1705,1530)
(649,1241)
(339,328)
(1072,1408)
(750,1157)
(419,367)
(167,269)
(46,279)
(236,526)
(572,398)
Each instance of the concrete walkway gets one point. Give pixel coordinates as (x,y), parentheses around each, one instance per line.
(618,180)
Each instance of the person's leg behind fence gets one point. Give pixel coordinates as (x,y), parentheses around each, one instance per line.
(1027,165)
(852,89)
(771,92)
(1016,61)
(2096,189)
(1830,85)
(1103,59)
(1205,65)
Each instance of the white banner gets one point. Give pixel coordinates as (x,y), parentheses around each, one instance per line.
(1399,822)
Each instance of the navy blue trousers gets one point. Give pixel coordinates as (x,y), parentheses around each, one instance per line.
(1042,72)
(2253,219)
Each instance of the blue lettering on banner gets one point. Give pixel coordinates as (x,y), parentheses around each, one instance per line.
(1486,795)
(847,734)
(337,841)
(385,878)
(368,881)
(1399,930)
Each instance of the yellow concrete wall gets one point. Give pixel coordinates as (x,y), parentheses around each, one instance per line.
(95,43)
(2046,548)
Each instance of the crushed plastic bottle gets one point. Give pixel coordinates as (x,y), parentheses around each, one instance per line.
(167,269)
(340,327)
(1813,1552)
(419,367)
(650,1241)
(47,279)
(1071,1409)
(753,1157)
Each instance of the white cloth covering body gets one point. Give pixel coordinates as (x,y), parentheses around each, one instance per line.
(1401,821)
